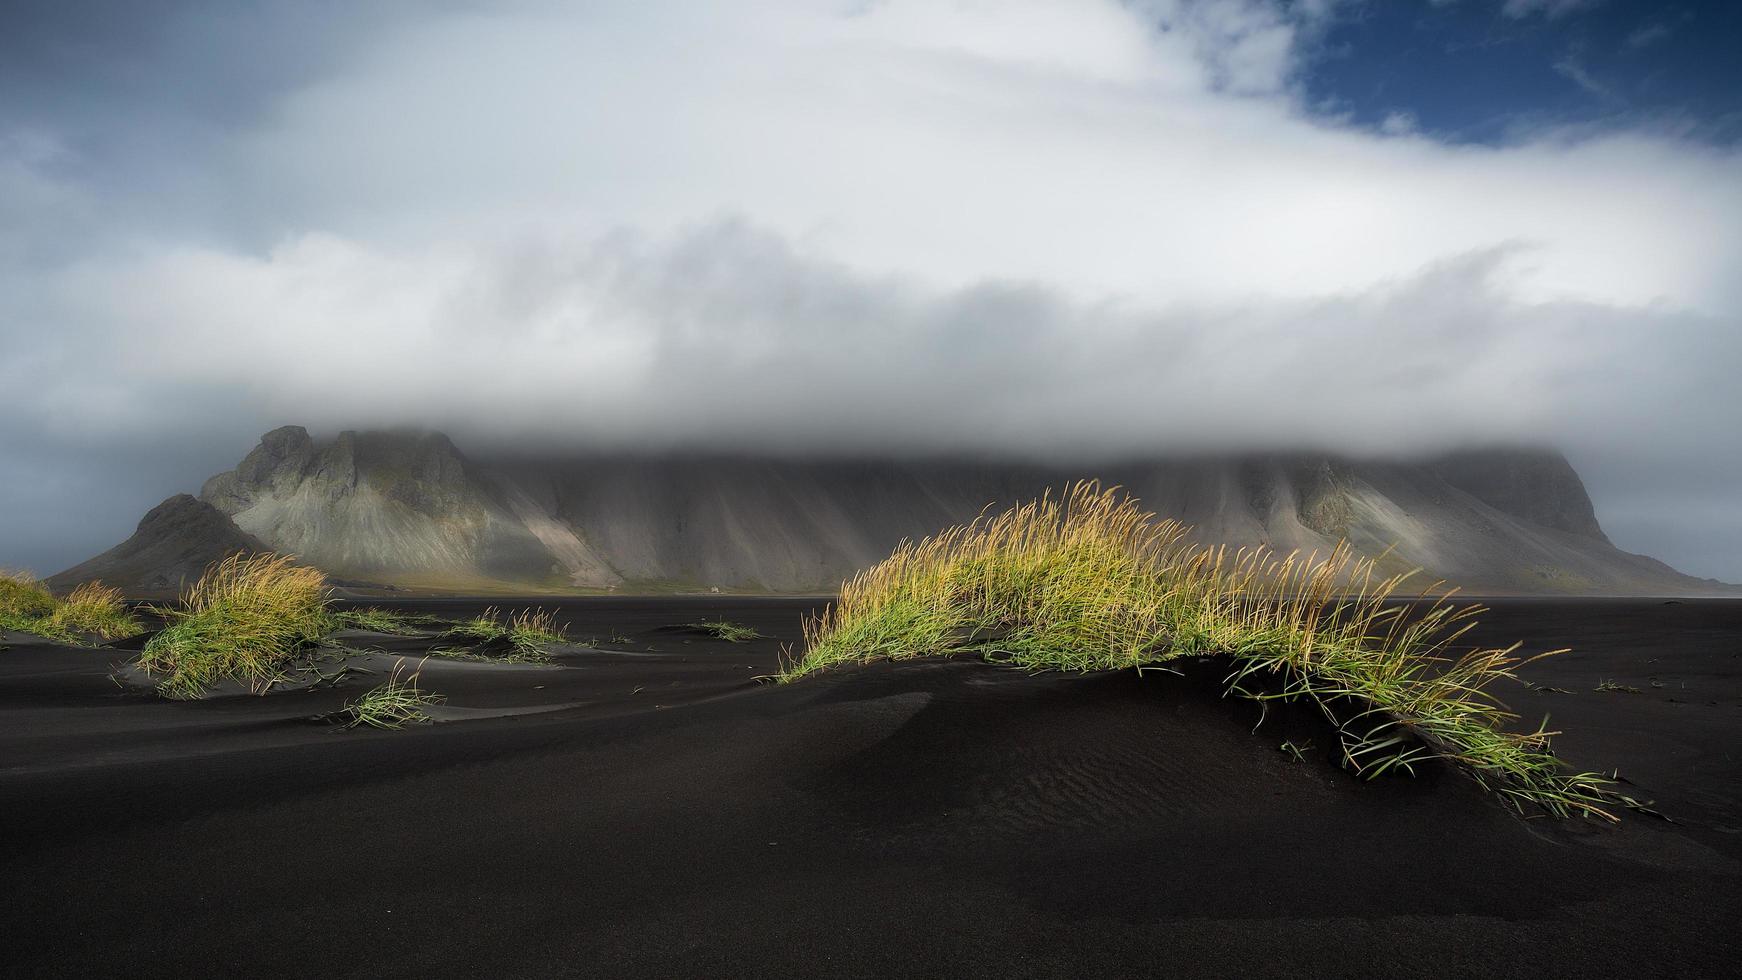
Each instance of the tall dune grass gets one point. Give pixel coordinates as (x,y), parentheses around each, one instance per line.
(1088,581)
(92,609)
(246,619)
(23,597)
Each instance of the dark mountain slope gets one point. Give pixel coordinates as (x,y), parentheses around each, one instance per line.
(410,509)
(173,544)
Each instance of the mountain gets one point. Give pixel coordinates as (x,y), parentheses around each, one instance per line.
(173,543)
(382,507)
(411,510)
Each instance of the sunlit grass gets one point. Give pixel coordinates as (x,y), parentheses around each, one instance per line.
(393,705)
(23,596)
(521,637)
(1087,581)
(94,609)
(91,610)
(376,620)
(246,619)
(26,605)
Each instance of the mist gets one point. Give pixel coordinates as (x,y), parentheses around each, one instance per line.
(1035,229)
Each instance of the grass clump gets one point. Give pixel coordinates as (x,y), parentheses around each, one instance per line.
(375,620)
(23,598)
(92,609)
(721,629)
(392,705)
(521,637)
(247,619)
(1087,581)
(26,605)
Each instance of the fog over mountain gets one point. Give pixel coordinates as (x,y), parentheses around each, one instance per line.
(1048,231)
(412,509)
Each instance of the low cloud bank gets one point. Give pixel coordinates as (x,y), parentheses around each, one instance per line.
(1031,227)
(730,337)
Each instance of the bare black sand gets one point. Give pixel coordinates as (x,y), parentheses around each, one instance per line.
(652,810)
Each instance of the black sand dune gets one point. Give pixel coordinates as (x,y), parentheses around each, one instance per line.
(651,810)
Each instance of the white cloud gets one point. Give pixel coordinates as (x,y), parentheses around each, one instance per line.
(728,335)
(1248,46)
(1398,123)
(1115,165)
(910,222)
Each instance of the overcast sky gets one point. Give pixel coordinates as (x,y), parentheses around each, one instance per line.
(822,225)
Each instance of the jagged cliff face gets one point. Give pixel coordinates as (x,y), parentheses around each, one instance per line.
(411,509)
(378,506)
(1476,519)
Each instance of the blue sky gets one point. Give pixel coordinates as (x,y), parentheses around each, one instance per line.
(1150,225)
(1471,71)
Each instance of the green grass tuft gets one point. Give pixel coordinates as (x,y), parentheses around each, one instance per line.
(392,705)
(92,610)
(377,620)
(96,610)
(246,619)
(23,598)
(523,637)
(1086,581)
(720,629)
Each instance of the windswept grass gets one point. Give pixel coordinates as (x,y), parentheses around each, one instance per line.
(246,619)
(392,705)
(377,620)
(22,598)
(26,605)
(95,609)
(485,627)
(1087,581)
(523,637)
(92,609)
(721,629)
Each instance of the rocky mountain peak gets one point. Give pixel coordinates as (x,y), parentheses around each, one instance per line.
(175,513)
(409,508)
(278,462)
(372,503)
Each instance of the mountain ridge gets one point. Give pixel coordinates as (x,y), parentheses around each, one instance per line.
(173,543)
(409,509)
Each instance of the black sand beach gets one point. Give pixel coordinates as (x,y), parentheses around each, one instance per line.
(651,809)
